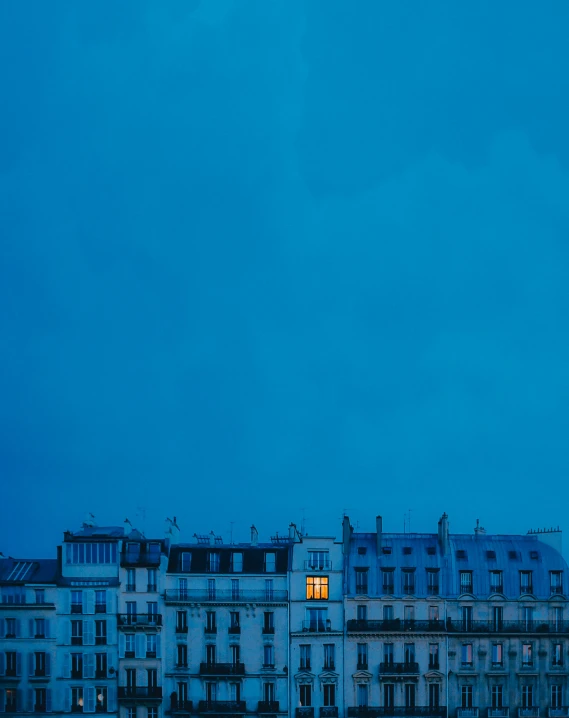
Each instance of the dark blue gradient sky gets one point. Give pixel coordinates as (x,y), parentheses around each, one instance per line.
(258,257)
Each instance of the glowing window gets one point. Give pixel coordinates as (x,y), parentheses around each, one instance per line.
(317,587)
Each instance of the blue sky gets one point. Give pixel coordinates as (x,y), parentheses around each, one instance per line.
(272,256)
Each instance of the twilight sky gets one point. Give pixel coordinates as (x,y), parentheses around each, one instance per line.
(265,256)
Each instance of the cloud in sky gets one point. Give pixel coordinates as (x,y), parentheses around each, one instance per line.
(265,256)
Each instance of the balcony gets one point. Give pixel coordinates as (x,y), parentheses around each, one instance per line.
(177,707)
(141,693)
(196,595)
(268,707)
(395,711)
(535,626)
(181,629)
(222,669)
(268,630)
(305,712)
(399,669)
(329,712)
(139,620)
(317,626)
(322,565)
(222,707)
(234,630)
(394,625)
(467,713)
(140,559)
(528,712)
(556,590)
(559,712)
(498,712)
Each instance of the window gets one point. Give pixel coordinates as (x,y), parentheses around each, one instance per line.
(557,654)
(234,625)
(528,617)
(361,613)
(362,656)
(131,579)
(496,582)
(557,695)
(210,622)
(39,627)
(491,555)
(434,695)
(466,696)
(387,613)
(269,590)
(497,696)
(466,654)
(363,695)
(100,633)
(432,582)
(513,555)
(388,653)
(90,553)
(151,645)
(129,645)
(76,633)
(213,562)
(433,656)
(558,617)
(210,656)
(211,589)
(409,616)
(318,560)
(40,700)
(268,656)
(100,665)
(76,665)
(131,612)
(407,550)
(466,614)
(556,581)
(386,550)
(387,585)
(388,695)
(39,664)
(237,562)
(361,580)
(181,655)
(268,692)
(534,555)
(152,608)
(461,554)
(431,550)
(40,595)
(317,588)
(497,654)
(465,581)
(13,594)
(100,601)
(526,584)
(305,694)
(433,614)
(305,656)
(76,700)
(235,591)
(235,692)
(11,702)
(527,696)
(101,704)
(186,561)
(409,695)
(497,618)
(527,655)
(317,619)
(329,694)
(183,588)
(329,653)
(181,621)
(408,581)
(76,601)
(153,712)
(409,653)
(210,692)
(268,622)
(11,663)
(152,579)
(270,562)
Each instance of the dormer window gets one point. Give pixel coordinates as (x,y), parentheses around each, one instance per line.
(491,555)
(186,561)
(556,581)
(213,562)
(465,581)
(431,550)
(407,550)
(237,562)
(526,583)
(270,562)
(461,554)
(513,555)
(386,550)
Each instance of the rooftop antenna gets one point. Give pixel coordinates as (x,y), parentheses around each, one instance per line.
(231,531)
(141,513)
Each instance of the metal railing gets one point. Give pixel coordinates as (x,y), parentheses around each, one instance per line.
(400,625)
(559,712)
(467,712)
(139,619)
(196,595)
(394,711)
(222,707)
(268,707)
(394,625)
(396,669)
(305,712)
(317,626)
(498,712)
(222,669)
(322,565)
(177,706)
(329,712)
(130,692)
(528,712)
(140,559)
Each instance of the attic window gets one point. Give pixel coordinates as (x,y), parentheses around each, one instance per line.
(431,550)
(534,555)
(362,550)
(461,554)
(386,550)
(490,554)
(407,550)
(513,555)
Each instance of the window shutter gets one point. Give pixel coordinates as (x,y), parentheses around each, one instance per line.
(111,699)
(84,601)
(66,665)
(48,706)
(30,707)
(18,628)
(122,645)
(90,699)
(65,699)
(48,664)
(47,628)
(2,628)
(158,647)
(89,633)
(139,646)
(32,628)
(2,698)
(18,663)
(31,664)
(89,659)
(67,636)
(2,663)
(20,707)
(90,601)
(68,602)
(111,632)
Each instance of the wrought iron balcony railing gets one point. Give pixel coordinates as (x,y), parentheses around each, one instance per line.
(395,711)
(467,712)
(394,625)
(196,595)
(222,669)
(321,565)
(268,707)
(233,707)
(140,692)
(305,712)
(498,712)
(329,712)
(317,626)
(143,620)
(177,706)
(140,559)
(397,669)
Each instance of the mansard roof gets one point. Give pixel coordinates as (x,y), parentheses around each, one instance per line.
(253,557)
(22,571)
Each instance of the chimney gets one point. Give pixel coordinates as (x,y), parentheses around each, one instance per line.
(292,532)
(379,530)
(346,534)
(254,536)
(443,533)
(479,530)
(552,537)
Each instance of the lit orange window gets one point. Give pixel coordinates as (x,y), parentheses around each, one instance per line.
(317,587)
